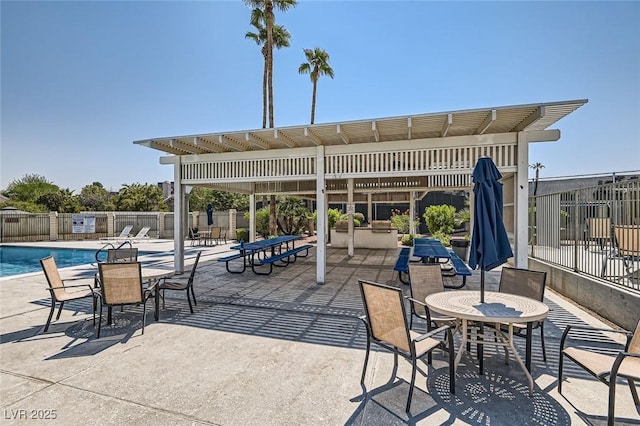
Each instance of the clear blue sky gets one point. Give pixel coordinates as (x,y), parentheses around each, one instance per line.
(82,80)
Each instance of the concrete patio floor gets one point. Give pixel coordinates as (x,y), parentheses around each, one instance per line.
(274,350)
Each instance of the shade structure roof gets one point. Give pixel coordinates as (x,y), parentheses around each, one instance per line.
(492,120)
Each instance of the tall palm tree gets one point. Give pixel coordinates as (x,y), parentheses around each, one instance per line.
(280,39)
(537,167)
(267,7)
(317,65)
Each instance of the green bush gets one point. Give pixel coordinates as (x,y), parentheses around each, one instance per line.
(242,234)
(333,215)
(358,218)
(407,240)
(445,239)
(440,219)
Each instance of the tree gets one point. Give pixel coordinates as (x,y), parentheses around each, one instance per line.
(200,197)
(29,188)
(62,201)
(95,197)
(267,7)
(317,65)
(280,39)
(292,215)
(140,198)
(537,167)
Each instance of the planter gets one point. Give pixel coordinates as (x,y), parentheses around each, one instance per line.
(460,246)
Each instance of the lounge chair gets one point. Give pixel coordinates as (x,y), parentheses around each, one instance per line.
(598,229)
(60,292)
(626,242)
(602,365)
(141,235)
(124,234)
(386,324)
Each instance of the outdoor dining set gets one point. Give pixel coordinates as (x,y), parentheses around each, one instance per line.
(120,280)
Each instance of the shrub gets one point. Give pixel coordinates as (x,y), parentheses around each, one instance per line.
(444,238)
(440,219)
(407,240)
(242,234)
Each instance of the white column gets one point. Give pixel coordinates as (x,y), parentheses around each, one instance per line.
(350,237)
(369,208)
(178,230)
(412,213)
(321,226)
(521,201)
(252,216)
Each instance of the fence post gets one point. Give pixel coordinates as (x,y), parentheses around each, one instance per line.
(161,217)
(576,230)
(111,219)
(53,226)
(232,223)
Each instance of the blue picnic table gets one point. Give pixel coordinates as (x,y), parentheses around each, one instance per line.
(430,250)
(279,251)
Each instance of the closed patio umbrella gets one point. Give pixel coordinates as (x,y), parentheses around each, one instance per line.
(489,242)
(210,214)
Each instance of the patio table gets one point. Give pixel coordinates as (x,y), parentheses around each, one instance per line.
(498,308)
(430,250)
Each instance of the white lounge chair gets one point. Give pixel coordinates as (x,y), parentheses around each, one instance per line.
(124,234)
(141,235)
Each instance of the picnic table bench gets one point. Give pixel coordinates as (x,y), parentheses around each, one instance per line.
(457,266)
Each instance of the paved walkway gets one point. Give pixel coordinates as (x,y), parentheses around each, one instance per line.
(267,351)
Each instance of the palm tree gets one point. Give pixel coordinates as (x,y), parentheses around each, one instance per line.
(267,7)
(537,167)
(280,39)
(317,65)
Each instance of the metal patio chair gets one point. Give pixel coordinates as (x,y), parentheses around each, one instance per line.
(528,283)
(603,366)
(121,284)
(426,279)
(60,292)
(386,323)
(176,284)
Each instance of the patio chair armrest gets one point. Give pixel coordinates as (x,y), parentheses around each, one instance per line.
(568,328)
(416,301)
(446,328)
(71,286)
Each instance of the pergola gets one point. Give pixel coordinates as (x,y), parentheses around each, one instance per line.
(383,160)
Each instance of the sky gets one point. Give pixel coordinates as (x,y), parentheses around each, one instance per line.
(82,80)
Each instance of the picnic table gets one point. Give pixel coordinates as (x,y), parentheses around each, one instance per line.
(262,255)
(430,250)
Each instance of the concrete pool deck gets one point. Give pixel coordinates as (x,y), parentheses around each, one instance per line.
(267,351)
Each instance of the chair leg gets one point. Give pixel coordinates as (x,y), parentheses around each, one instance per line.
(366,360)
(560,365)
(99,322)
(53,308)
(194,296)
(189,300)
(634,392)
(163,307)
(413,380)
(144,315)
(60,311)
(544,349)
(612,403)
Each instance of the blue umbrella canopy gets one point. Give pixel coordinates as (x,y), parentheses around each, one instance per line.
(490,245)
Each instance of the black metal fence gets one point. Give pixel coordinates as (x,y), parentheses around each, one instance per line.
(594,231)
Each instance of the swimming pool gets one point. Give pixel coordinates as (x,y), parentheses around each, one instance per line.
(16,260)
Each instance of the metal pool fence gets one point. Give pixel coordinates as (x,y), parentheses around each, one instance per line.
(594,231)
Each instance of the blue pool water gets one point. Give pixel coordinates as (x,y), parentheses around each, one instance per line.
(16,260)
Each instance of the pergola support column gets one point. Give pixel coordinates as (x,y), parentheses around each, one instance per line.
(252,216)
(521,228)
(178,203)
(350,208)
(412,213)
(321,226)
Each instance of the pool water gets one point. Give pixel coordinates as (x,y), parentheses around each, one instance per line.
(16,260)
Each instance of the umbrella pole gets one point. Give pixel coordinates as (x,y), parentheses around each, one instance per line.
(481,285)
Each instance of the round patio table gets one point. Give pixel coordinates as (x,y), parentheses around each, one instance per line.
(498,308)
